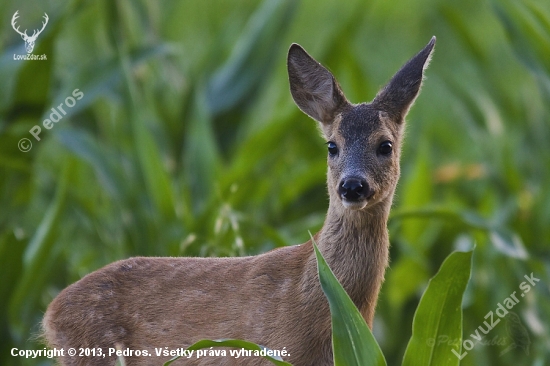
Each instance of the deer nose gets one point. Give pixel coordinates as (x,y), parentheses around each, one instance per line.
(353,189)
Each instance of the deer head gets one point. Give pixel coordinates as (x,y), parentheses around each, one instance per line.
(364,139)
(29,40)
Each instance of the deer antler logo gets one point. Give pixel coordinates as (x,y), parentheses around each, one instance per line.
(29,41)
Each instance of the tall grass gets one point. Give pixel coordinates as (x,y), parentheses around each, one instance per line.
(186,142)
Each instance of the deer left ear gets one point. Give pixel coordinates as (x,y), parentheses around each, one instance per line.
(397,97)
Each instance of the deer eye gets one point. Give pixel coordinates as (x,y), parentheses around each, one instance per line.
(332,148)
(385,148)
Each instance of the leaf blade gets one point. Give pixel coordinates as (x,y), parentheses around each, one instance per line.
(440,316)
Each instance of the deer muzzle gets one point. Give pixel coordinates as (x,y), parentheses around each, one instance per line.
(355,192)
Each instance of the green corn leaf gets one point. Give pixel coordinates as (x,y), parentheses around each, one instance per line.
(101,79)
(504,240)
(439,315)
(202,158)
(157,179)
(11,269)
(417,191)
(37,259)
(83,145)
(252,56)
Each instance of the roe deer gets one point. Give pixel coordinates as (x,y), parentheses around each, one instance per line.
(273,299)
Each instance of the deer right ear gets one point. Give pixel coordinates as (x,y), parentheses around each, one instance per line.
(313,88)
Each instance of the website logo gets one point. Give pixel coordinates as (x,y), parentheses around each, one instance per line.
(29,40)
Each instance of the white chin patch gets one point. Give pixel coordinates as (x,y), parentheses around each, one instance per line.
(354,205)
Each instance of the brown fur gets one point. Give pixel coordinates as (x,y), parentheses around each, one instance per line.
(273,299)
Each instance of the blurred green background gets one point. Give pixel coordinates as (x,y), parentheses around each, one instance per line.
(187,142)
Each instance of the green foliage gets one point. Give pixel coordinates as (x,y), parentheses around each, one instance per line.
(187,142)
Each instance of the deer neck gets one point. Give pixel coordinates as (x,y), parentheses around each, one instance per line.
(355,245)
